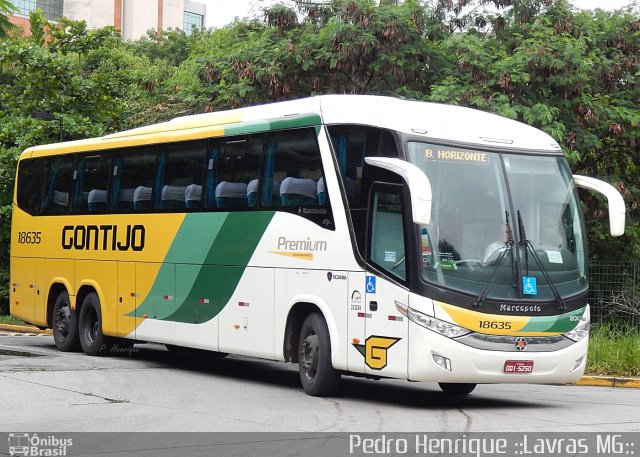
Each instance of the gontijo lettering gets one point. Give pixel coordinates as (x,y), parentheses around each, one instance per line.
(103,237)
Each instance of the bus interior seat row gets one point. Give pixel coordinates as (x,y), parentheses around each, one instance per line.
(290,192)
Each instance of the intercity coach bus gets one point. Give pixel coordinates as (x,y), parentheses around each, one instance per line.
(358,235)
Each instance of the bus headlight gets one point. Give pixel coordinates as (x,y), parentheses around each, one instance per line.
(578,333)
(444,328)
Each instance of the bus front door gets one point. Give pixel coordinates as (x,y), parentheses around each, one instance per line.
(386,328)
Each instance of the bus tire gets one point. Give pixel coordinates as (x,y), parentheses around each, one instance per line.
(317,375)
(92,339)
(453,388)
(64,323)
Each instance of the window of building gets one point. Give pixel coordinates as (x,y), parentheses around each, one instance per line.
(191,21)
(52,8)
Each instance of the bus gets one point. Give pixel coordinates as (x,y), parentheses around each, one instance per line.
(360,235)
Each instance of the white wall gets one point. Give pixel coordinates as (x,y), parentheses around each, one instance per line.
(138,16)
(97,13)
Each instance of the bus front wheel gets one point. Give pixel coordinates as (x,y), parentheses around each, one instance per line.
(456,388)
(65,324)
(317,375)
(92,339)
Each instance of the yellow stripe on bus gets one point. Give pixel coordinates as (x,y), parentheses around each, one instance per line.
(490,324)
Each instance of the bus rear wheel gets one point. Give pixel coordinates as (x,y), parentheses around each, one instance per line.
(92,339)
(317,375)
(65,324)
(453,388)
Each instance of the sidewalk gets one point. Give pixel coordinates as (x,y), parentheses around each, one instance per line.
(587,380)
(24,329)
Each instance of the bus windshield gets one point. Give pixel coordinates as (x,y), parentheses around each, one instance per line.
(508,220)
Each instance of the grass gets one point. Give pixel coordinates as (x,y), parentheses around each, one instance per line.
(614,350)
(11,320)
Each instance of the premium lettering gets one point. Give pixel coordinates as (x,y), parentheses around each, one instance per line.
(301,245)
(103,237)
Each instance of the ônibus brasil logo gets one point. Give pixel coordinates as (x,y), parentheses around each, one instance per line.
(26,444)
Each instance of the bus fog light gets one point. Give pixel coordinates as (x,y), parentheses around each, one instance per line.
(577,364)
(442,362)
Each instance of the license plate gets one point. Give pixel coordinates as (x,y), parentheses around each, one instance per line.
(518,366)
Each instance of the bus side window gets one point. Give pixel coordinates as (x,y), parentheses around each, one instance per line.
(58,178)
(91,178)
(294,177)
(179,176)
(387,248)
(293,169)
(132,180)
(351,144)
(232,170)
(30,174)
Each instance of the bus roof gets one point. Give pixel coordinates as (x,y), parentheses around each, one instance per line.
(432,121)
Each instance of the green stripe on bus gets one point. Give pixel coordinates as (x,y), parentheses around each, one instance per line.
(296,121)
(289,122)
(561,324)
(208,265)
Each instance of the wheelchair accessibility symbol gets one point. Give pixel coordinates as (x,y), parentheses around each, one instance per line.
(371,284)
(529,285)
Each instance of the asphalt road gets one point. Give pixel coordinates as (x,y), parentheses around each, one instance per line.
(154,390)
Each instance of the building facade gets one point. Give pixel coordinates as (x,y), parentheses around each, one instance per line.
(132,17)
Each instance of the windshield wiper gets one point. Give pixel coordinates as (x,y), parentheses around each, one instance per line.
(528,246)
(509,245)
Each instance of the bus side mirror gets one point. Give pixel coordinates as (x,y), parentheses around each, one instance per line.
(419,185)
(616,202)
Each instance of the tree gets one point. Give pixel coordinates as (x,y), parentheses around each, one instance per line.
(6,8)
(344,46)
(88,77)
(571,73)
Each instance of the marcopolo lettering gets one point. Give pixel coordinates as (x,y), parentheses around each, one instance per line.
(103,237)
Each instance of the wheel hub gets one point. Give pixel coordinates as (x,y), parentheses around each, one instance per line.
(309,355)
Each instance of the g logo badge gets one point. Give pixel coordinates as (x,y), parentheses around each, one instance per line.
(375,350)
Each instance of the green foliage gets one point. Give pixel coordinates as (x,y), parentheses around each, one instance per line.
(88,78)
(614,349)
(349,46)
(171,49)
(11,320)
(6,7)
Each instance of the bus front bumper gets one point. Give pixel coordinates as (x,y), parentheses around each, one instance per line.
(434,357)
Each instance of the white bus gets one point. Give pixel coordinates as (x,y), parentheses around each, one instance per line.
(349,234)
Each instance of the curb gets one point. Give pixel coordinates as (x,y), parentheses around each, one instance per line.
(609,381)
(23,329)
